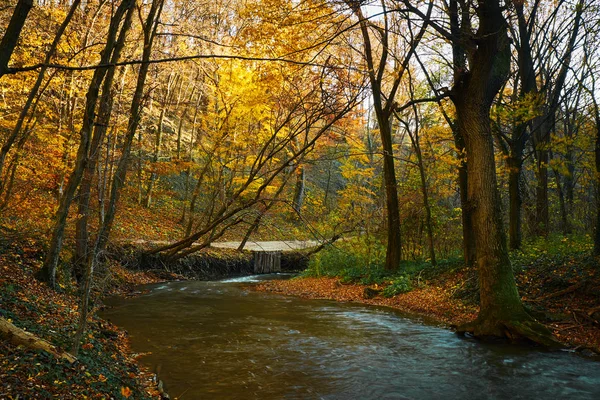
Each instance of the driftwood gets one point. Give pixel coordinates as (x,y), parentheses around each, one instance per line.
(18,336)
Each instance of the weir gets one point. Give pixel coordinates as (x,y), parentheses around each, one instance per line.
(266,262)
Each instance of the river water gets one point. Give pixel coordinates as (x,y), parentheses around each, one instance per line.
(219,340)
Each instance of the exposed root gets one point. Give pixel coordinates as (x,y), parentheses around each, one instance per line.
(523,329)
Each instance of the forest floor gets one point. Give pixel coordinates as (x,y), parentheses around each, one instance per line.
(105,366)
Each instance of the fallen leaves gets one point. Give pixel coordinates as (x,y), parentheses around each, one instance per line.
(431,301)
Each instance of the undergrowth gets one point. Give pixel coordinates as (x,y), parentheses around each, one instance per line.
(361,260)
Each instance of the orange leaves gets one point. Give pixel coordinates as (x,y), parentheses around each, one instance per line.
(125,391)
(432,301)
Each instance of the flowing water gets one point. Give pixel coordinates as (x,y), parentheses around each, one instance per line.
(219,340)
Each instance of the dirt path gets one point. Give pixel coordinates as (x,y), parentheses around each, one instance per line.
(279,245)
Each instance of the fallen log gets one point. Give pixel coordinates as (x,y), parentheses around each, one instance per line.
(19,337)
(570,289)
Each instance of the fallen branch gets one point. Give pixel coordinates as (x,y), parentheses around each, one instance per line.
(561,292)
(18,336)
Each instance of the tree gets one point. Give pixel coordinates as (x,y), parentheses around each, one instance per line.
(12,33)
(474,89)
(385,70)
(149,33)
(48,271)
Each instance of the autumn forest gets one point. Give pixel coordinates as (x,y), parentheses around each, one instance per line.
(444,155)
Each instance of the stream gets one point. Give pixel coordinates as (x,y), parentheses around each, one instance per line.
(220,340)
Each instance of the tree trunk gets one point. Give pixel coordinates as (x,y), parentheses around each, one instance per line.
(466,216)
(48,271)
(12,33)
(299,189)
(99,133)
(459,22)
(414,138)
(542,217)
(597,164)
(121,172)
(501,311)
(19,337)
(514,163)
(157,144)
(394,241)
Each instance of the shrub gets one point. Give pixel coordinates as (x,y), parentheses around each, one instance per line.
(401,284)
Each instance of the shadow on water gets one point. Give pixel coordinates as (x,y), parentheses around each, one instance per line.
(219,340)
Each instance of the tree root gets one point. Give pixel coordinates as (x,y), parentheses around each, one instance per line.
(18,336)
(518,330)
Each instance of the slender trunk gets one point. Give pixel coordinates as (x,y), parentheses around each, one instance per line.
(515,200)
(394,241)
(140,186)
(428,221)
(36,86)
(542,217)
(414,138)
(48,271)
(12,33)
(562,204)
(253,228)
(121,172)
(299,189)
(106,101)
(597,164)
(155,157)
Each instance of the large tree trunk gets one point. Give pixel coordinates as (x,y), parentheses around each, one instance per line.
(501,314)
(459,22)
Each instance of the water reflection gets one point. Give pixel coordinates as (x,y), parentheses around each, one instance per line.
(217,340)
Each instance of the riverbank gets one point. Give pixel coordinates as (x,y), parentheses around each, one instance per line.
(105,366)
(562,291)
(573,321)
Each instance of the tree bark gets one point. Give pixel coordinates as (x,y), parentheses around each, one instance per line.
(299,189)
(501,313)
(12,33)
(106,101)
(48,271)
(19,337)
(459,22)
(150,27)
